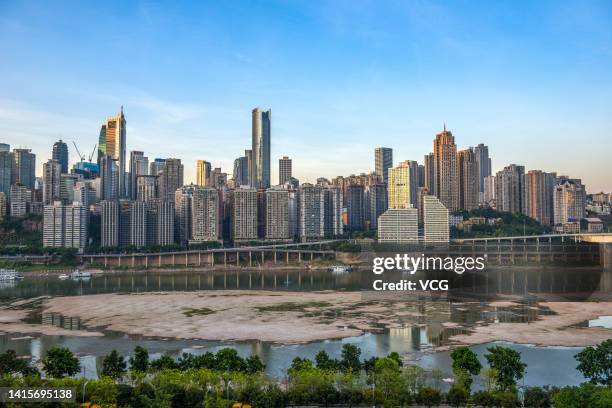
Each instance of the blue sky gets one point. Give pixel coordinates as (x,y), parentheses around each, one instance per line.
(530,79)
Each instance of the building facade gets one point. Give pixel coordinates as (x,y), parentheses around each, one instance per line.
(261,139)
(383,161)
(398,225)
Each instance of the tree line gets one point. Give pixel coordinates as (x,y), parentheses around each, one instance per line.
(223,378)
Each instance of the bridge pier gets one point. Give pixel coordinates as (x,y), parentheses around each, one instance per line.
(605,255)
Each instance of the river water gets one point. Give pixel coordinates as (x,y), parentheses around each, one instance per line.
(415,341)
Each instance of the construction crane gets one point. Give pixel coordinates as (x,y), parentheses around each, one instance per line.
(82,156)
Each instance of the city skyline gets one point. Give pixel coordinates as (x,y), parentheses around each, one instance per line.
(530,95)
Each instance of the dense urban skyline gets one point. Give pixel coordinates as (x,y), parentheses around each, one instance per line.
(529,80)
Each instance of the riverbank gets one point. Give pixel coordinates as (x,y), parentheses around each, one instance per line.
(302,317)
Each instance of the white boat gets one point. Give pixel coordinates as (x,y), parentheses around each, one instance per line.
(63,276)
(80,275)
(9,275)
(340,269)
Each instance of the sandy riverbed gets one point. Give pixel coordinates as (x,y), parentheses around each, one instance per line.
(290,317)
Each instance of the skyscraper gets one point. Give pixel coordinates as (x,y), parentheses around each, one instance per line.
(539,195)
(248,154)
(510,189)
(51,181)
(65,225)
(60,153)
(569,198)
(241,171)
(311,212)
(489,191)
(21,197)
(203,173)
(468,179)
(260,166)
(398,225)
(109,178)
(430,173)
(277,214)
(483,163)
(112,143)
(244,218)
(446,174)
(376,202)
(355,207)
(24,168)
(170,179)
(435,220)
(146,188)
(139,166)
(109,221)
(284,170)
(383,160)
(156,166)
(205,215)
(402,185)
(6,169)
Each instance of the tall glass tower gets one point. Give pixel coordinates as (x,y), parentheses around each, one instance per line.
(260,164)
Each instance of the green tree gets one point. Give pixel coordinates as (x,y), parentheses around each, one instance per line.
(60,362)
(254,364)
(537,397)
(300,363)
(457,396)
(102,392)
(508,364)
(351,355)
(11,364)
(387,381)
(227,359)
(465,365)
(585,395)
(165,362)
(323,361)
(429,397)
(114,365)
(595,363)
(140,360)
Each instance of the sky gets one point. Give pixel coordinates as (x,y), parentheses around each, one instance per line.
(530,79)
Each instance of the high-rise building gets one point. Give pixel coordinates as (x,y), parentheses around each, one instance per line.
(60,154)
(398,225)
(183,204)
(446,173)
(218,179)
(139,166)
(109,221)
(67,184)
(65,225)
(539,188)
(260,166)
(3,206)
(510,189)
(205,221)
(277,214)
(355,207)
(6,169)
(483,164)
(311,212)
(489,191)
(170,179)
(52,170)
(203,173)
(156,166)
(383,161)
(402,185)
(112,143)
(244,218)
(284,170)
(139,220)
(146,188)
(430,173)
(24,168)
(84,193)
(468,179)
(376,203)
(249,158)
(569,198)
(435,220)
(241,171)
(161,222)
(21,197)
(109,178)
(332,211)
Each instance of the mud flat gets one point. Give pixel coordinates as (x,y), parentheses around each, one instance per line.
(558,329)
(12,321)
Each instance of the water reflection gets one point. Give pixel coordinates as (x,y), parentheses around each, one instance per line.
(577,283)
(58,320)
